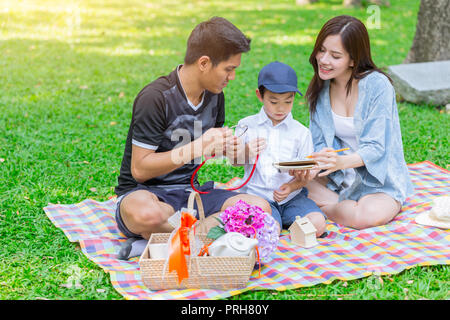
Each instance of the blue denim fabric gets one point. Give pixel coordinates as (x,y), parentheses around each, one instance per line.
(300,205)
(379,140)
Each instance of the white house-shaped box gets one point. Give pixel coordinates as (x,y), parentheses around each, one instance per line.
(303,232)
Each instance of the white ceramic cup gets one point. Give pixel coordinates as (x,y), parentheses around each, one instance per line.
(158,250)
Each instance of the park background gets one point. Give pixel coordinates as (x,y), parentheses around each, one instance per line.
(70,71)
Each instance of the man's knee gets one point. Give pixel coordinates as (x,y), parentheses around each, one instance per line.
(250,199)
(260,202)
(141,210)
(264,204)
(149,216)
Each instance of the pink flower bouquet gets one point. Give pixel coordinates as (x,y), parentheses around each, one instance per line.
(248,220)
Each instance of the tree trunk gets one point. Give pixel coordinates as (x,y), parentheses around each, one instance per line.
(432,39)
(303,2)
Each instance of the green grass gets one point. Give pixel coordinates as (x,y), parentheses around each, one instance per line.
(70,71)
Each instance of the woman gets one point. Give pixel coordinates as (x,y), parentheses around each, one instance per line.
(352,105)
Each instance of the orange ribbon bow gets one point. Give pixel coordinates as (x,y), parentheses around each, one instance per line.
(180,247)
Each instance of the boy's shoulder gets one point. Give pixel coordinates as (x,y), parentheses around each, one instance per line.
(294,125)
(298,126)
(249,119)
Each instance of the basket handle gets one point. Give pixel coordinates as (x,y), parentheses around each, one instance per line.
(199,225)
(196,196)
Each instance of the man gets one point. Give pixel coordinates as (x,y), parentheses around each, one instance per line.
(176,120)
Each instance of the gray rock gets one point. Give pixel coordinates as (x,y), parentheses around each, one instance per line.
(424,82)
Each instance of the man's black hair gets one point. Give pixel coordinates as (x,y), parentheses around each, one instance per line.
(216,38)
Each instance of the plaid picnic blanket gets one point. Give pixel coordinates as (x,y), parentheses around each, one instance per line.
(344,254)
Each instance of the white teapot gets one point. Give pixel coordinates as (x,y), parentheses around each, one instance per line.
(232,244)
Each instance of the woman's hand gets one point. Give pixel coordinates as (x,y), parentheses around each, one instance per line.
(328,160)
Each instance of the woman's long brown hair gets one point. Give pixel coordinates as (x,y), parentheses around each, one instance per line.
(355,40)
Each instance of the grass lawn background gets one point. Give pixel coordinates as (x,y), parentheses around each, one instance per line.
(70,71)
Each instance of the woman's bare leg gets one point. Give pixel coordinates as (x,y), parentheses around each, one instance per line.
(321,195)
(374,210)
(318,221)
(369,211)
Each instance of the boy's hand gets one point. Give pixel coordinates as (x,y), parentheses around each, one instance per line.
(282,193)
(256,146)
(304,176)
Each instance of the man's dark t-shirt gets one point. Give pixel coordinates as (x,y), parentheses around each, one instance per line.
(163,119)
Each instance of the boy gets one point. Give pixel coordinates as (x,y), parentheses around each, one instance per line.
(276,136)
(176,120)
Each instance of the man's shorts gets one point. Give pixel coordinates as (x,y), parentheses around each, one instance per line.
(178,198)
(300,205)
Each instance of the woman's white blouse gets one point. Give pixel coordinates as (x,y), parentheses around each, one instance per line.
(345,130)
(378,136)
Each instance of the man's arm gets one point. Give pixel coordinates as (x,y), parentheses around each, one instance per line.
(147,164)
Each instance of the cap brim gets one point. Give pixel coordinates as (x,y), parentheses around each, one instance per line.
(424,218)
(281,88)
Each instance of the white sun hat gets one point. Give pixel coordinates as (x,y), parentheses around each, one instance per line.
(438,215)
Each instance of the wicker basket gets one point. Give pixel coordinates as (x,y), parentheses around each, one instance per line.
(205,272)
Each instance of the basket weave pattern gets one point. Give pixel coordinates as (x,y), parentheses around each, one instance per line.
(205,272)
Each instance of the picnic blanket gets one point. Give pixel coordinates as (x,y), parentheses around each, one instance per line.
(344,254)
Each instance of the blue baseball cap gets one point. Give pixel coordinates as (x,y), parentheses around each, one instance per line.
(278,77)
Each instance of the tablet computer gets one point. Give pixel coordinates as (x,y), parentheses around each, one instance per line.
(297,165)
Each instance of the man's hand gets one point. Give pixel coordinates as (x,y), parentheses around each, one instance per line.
(232,147)
(214,141)
(240,154)
(256,146)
